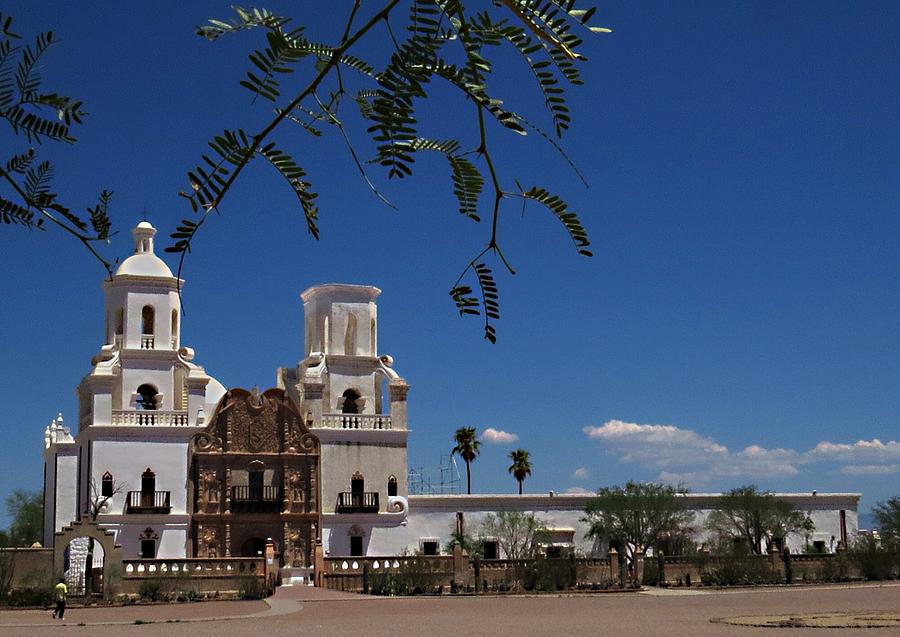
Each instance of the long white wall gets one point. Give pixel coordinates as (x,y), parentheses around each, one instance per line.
(435,517)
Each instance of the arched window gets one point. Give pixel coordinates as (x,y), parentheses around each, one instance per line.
(147,399)
(148,317)
(174,327)
(120,321)
(106,485)
(373,346)
(350,405)
(392,486)
(350,336)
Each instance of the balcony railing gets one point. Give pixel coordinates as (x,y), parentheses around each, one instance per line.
(366,502)
(356,421)
(149,418)
(148,502)
(264,499)
(147,341)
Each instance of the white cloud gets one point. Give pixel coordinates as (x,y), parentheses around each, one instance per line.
(498,436)
(683,456)
(581,473)
(860,452)
(578,491)
(870,469)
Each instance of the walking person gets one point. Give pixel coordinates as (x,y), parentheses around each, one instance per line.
(60,592)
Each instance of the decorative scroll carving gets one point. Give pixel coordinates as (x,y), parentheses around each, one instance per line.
(206,441)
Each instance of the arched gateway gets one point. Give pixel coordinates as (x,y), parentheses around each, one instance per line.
(255,475)
(112,552)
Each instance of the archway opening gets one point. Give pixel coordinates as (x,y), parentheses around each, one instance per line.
(83,562)
(350,404)
(253,547)
(147,397)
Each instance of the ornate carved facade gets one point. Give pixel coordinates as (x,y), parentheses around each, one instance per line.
(255,475)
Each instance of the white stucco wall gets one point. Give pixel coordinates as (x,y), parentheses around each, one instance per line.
(435,517)
(126,460)
(339,461)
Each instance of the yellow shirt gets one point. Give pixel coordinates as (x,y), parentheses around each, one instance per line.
(61,592)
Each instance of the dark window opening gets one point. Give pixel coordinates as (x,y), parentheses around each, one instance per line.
(106,485)
(350,406)
(253,547)
(429,548)
(255,482)
(148,316)
(148,549)
(491,551)
(356,546)
(554,552)
(392,486)
(147,400)
(148,487)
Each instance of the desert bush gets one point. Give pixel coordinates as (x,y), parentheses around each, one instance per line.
(737,570)
(251,588)
(152,590)
(874,560)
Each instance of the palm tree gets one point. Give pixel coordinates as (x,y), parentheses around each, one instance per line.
(521,465)
(468,447)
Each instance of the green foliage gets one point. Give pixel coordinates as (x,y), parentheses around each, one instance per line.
(468,446)
(738,570)
(152,590)
(518,534)
(417,576)
(251,587)
(26,508)
(39,116)
(756,517)
(887,514)
(638,515)
(521,466)
(875,560)
(442,42)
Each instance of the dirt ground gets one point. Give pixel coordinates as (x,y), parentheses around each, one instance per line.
(302,611)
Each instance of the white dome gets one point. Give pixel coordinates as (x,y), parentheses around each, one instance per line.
(144,262)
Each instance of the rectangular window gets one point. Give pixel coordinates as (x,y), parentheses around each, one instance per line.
(491,550)
(148,549)
(356,546)
(429,547)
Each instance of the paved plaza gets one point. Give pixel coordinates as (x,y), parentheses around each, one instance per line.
(305,611)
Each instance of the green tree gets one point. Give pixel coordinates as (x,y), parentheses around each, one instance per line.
(468,446)
(518,534)
(26,508)
(638,515)
(27,196)
(756,517)
(521,466)
(445,42)
(887,514)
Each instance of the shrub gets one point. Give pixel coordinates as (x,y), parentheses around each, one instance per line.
(739,570)
(151,589)
(251,588)
(874,561)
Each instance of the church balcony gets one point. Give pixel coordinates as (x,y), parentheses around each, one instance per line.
(149,418)
(356,421)
(366,502)
(148,502)
(264,499)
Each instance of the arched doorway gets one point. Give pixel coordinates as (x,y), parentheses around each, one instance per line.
(253,547)
(83,562)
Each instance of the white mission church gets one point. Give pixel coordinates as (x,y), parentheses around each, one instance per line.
(176,465)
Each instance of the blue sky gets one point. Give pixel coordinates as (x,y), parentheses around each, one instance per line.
(736,325)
